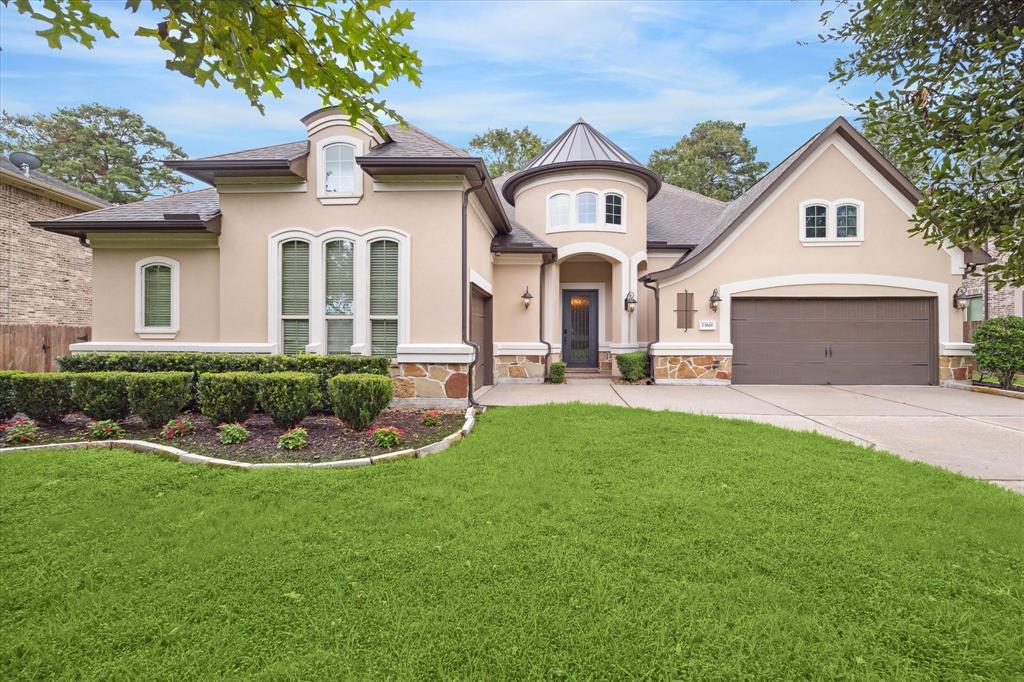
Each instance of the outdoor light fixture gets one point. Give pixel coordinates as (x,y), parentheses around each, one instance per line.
(960,299)
(630,303)
(527,298)
(714,300)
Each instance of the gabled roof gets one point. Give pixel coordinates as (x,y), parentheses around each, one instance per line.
(41,183)
(581,146)
(197,211)
(737,210)
(679,219)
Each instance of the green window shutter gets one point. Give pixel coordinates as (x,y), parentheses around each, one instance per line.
(295,278)
(338,276)
(157,295)
(384,337)
(339,337)
(384,277)
(296,336)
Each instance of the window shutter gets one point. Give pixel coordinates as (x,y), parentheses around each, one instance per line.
(384,277)
(295,278)
(296,336)
(339,337)
(384,337)
(157,296)
(684,310)
(339,278)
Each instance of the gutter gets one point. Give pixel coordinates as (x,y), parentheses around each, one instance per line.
(465,288)
(547,356)
(657,324)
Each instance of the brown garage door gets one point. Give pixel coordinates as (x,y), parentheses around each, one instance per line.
(480,333)
(834,341)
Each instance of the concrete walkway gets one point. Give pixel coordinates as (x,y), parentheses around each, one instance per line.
(974,434)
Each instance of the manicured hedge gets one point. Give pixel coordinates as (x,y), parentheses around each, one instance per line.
(632,366)
(198,363)
(227,397)
(287,397)
(999,348)
(101,395)
(157,397)
(44,396)
(8,405)
(357,399)
(556,373)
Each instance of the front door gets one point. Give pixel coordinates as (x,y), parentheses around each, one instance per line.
(579,327)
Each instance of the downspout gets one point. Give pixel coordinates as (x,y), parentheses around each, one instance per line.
(547,356)
(657,326)
(465,288)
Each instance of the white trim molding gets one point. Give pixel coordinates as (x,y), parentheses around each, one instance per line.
(141,329)
(519,348)
(602,297)
(668,348)
(589,176)
(179,346)
(435,353)
(574,224)
(831,237)
(479,280)
(338,198)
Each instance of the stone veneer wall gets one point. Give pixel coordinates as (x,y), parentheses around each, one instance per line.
(956,368)
(425,381)
(693,368)
(518,368)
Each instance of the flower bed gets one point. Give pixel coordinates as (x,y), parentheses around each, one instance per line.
(329,439)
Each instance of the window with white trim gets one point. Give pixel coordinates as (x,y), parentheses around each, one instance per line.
(384,297)
(157,294)
(847,221)
(294,296)
(339,295)
(558,210)
(613,208)
(832,223)
(815,221)
(586,208)
(339,168)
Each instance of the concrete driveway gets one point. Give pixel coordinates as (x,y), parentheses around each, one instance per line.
(974,434)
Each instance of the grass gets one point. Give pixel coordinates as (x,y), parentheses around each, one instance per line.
(556,542)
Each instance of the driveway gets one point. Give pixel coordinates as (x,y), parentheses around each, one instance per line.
(974,434)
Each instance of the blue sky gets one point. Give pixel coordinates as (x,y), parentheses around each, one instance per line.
(643,73)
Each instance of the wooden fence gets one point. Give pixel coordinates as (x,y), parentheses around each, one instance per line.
(36,347)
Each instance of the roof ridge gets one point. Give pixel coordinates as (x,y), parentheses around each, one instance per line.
(435,138)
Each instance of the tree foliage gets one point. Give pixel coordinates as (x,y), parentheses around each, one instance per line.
(715,159)
(506,151)
(108,151)
(345,51)
(953,111)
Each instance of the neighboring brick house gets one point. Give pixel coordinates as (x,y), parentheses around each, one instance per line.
(45,278)
(987,302)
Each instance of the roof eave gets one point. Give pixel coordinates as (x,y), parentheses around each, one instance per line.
(652,180)
(210,170)
(50,192)
(78,228)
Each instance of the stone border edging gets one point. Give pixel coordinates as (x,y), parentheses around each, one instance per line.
(992,390)
(171,452)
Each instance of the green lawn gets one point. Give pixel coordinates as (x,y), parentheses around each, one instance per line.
(556,542)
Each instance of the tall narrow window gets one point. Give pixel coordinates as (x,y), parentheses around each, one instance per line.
(339,261)
(846,221)
(586,208)
(384,297)
(558,210)
(294,296)
(613,209)
(814,221)
(156,282)
(339,166)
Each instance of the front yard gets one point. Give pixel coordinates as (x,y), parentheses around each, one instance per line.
(555,542)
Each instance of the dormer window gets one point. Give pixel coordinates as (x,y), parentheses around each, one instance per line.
(613,209)
(586,208)
(846,221)
(815,221)
(340,168)
(558,210)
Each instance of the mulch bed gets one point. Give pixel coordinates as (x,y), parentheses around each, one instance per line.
(992,384)
(329,438)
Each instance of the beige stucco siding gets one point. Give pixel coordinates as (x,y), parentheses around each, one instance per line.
(114,282)
(479,233)
(512,321)
(770,247)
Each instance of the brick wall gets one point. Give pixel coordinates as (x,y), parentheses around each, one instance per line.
(999,303)
(45,278)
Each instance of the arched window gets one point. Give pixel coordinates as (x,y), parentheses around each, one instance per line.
(340,168)
(586,208)
(157,292)
(847,221)
(613,209)
(294,296)
(815,221)
(558,210)
(339,294)
(384,297)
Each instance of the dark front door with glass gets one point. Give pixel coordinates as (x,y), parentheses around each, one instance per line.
(579,328)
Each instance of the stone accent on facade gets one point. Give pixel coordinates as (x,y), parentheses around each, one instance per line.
(445,383)
(956,369)
(695,369)
(604,361)
(997,302)
(512,369)
(45,278)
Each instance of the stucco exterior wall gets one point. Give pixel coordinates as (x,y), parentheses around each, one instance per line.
(513,322)
(770,247)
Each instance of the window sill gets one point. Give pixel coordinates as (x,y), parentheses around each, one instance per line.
(831,242)
(595,227)
(339,199)
(156,333)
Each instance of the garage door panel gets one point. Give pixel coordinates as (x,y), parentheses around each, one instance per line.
(785,353)
(912,331)
(781,373)
(793,330)
(859,375)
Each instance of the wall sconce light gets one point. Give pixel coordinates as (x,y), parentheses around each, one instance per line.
(527,298)
(714,300)
(960,299)
(630,302)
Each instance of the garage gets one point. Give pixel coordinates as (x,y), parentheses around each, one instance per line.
(834,341)
(481,332)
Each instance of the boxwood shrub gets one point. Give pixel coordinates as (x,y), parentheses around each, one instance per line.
(227,396)
(999,348)
(101,395)
(556,373)
(199,363)
(632,366)
(357,399)
(157,397)
(44,396)
(287,397)
(8,406)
